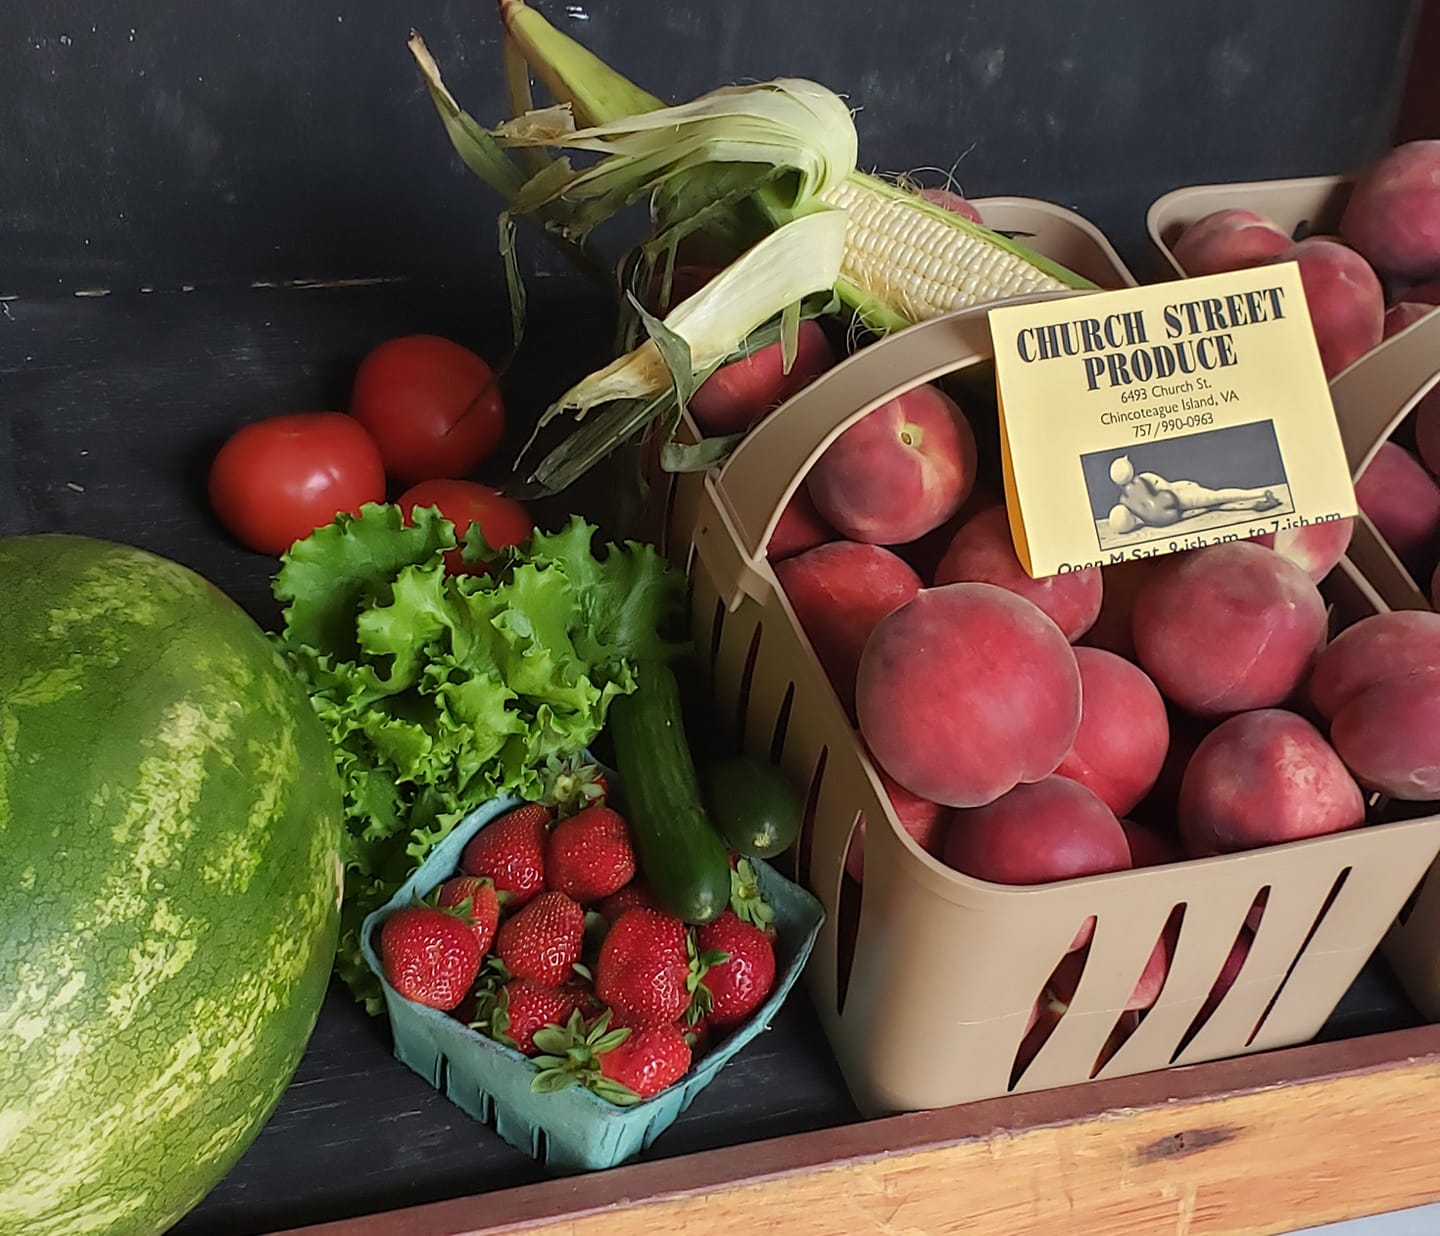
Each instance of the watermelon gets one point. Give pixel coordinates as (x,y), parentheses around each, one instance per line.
(170,822)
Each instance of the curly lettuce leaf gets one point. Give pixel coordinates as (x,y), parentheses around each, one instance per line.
(330,574)
(626,598)
(441,691)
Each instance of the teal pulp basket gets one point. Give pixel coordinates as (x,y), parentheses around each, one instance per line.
(573,1129)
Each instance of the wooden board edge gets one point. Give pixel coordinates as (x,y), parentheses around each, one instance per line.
(1208,1150)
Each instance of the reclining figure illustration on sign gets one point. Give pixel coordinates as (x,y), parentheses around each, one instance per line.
(1148,499)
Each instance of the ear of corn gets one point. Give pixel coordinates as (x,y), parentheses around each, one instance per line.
(782,151)
(794,261)
(909,260)
(796,128)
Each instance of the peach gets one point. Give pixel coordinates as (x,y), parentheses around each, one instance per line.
(921,819)
(1393,215)
(925,553)
(1315,548)
(1344,296)
(1124,734)
(1065,982)
(983,552)
(799,528)
(967,691)
(839,592)
(1374,650)
(1228,240)
(1228,628)
(1402,314)
(899,472)
(1120,585)
(739,394)
(1149,847)
(1053,829)
(1262,778)
(946,199)
(1403,502)
(1389,737)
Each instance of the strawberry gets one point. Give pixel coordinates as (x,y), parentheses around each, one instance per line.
(429,956)
(572,785)
(622,1061)
(521,1007)
(648,969)
(541,942)
(653,1056)
(740,983)
(589,856)
(475,897)
(510,851)
(633,894)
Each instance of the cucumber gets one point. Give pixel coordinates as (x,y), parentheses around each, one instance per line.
(755,806)
(680,852)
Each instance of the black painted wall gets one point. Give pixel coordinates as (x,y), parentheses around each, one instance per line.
(163,142)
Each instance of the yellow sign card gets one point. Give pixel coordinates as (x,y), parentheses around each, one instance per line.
(1163,418)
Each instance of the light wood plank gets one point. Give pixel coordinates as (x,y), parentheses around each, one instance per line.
(1264,1144)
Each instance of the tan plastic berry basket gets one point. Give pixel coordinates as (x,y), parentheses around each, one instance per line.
(1312,202)
(1068,238)
(925,988)
(1373,398)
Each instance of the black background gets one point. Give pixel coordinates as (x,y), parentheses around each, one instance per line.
(163,143)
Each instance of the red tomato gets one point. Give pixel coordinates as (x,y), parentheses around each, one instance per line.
(502,520)
(277,480)
(433,407)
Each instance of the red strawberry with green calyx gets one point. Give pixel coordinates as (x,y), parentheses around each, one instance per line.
(474,899)
(589,855)
(649,970)
(429,955)
(654,1056)
(541,941)
(510,852)
(739,984)
(571,785)
(513,1014)
(622,1062)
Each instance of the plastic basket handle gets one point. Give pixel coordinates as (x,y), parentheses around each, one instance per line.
(1376,393)
(764,471)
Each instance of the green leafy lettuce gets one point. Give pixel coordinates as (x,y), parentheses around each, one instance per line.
(440,690)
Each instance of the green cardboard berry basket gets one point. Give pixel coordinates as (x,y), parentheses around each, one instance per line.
(572,1129)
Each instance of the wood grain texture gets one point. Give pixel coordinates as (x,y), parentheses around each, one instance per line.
(1243,1148)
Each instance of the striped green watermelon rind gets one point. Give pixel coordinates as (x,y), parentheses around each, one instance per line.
(170,821)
